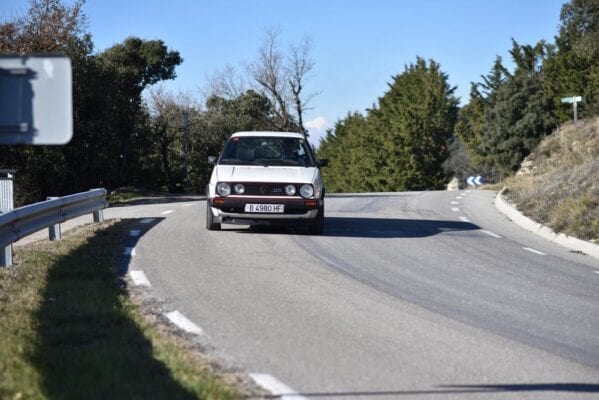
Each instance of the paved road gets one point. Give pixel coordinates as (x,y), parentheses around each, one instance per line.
(411,295)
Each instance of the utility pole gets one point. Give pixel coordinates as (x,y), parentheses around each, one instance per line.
(574,101)
(186,149)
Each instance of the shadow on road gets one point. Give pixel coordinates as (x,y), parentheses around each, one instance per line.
(457,389)
(158,200)
(376,227)
(391,227)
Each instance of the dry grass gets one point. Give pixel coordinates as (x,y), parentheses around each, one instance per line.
(562,191)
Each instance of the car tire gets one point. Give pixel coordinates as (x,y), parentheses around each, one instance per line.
(211,225)
(316,227)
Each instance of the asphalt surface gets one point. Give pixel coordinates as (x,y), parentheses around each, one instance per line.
(428,295)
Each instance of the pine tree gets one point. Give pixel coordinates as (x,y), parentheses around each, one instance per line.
(574,69)
(521,115)
(414,121)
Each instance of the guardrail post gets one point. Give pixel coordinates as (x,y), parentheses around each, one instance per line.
(54,231)
(99,216)
(6,256)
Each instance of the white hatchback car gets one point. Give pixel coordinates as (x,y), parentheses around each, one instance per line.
(266,178)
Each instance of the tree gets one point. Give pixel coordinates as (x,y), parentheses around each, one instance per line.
(574,68)
(348,150)
(521,115)
(109,122)
(299,66)
(135,64)
(470,122)
(49,27)
(470,128)
(458,163)
(402,143)
(495,79)
(271,77)
(278,75)
(415,120)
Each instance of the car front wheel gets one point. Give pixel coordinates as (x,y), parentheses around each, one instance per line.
(316,227)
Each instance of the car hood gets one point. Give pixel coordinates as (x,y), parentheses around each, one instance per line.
(242,173)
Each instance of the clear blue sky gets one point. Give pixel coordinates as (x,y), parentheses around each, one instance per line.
(357,44)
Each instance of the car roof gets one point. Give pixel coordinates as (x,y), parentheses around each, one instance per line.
(268,134)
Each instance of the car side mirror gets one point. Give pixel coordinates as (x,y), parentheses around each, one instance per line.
(323,163)
(212,160)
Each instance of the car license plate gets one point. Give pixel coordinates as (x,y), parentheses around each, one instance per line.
(265,208)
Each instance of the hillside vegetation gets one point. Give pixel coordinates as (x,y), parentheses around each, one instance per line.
(128,131)
(559,182)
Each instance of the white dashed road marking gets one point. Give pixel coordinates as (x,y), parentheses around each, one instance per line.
(464,219)
(147,221)
(491,234)
(182,322)
(455,203)
(167,212)
(276,387)
(188,205)
(534,251)
(139,278)
(455,209)
(129,251)
(135,233)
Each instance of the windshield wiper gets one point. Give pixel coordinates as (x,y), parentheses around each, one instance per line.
(234,161)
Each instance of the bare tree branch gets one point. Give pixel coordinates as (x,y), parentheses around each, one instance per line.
(300,64)
(227,83)
(270,74)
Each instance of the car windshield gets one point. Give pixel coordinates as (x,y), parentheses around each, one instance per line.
(258,150)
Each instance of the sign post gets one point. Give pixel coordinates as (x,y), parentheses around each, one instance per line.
(574,101)
(185,116)
(6,205)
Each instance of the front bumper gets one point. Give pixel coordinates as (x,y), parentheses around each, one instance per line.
(231,210)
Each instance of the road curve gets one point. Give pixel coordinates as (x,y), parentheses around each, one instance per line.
(418,295)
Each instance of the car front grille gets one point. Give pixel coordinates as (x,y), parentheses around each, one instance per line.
(265,189)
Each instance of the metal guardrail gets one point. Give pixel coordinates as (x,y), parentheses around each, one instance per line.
(23,221)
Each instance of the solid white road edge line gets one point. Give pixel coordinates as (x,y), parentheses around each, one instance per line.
(183,323)
(147,221)
(129,251)
(139,278)
(276,387)
(135,233)
(534,251)
(167,212)
(491,234)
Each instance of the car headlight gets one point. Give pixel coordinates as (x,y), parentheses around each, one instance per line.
(306,191)
(290,190)
(223,189)
(239,188)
